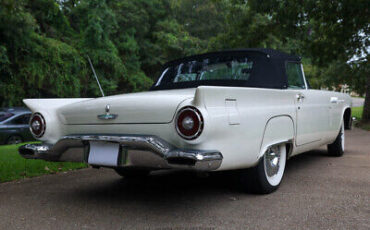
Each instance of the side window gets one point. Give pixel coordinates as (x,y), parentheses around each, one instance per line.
(295,75)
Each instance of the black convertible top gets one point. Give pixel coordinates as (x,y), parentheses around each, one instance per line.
(270,53)
(268,70)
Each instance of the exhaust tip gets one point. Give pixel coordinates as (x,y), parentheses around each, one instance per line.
(32,151)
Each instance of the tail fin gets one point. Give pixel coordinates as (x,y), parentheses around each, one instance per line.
(199,96)
(48,108)
(37,105)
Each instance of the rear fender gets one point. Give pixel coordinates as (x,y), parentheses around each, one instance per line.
(49,110)
(279,129)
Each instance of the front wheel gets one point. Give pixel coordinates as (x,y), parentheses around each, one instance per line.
(267,175)
(337,147)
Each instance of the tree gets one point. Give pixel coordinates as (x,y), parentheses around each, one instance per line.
(331,34)
(33,65)
(44,43)
(366,113)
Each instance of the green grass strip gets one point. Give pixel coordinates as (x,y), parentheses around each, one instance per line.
(357,112)
(14,167)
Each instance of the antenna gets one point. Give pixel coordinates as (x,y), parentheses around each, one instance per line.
(96,77)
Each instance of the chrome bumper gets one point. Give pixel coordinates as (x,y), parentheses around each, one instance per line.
(135,151)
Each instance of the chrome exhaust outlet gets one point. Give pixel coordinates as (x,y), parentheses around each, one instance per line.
(34,151)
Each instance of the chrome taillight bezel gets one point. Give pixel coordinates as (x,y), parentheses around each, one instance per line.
(198,115)
(41,119)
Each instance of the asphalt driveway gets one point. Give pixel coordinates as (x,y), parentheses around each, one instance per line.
(318,192)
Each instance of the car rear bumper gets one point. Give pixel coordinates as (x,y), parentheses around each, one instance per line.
(135,151)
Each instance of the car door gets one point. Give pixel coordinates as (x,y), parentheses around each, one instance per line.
(311,110)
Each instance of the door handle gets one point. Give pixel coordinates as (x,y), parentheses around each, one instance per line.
(300,97)
(334,100)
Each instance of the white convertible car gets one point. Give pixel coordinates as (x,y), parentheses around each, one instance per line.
(249,109)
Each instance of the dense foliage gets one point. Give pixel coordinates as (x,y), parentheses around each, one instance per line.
(44,44)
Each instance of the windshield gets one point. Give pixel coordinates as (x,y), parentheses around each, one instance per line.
(219,70)
(5,115)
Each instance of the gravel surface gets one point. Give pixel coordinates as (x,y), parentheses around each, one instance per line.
(318,192)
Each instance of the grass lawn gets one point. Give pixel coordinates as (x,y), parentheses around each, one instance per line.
(357,112)
(13,166)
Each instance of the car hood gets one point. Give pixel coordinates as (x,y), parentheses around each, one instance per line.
(139,108)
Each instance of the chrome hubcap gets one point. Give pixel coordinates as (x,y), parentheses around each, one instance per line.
(272,160)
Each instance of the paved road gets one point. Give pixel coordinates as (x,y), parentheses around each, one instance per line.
(318,192)
(357,102)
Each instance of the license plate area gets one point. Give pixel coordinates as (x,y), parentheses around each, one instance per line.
(103,153)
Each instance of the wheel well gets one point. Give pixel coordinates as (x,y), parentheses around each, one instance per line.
(289,149)
(347,118)
(278,130)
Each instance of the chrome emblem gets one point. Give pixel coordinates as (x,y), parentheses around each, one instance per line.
(107,115)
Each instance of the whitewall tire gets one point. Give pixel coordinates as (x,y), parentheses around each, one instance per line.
(337,147)
(274,164)
(267,175)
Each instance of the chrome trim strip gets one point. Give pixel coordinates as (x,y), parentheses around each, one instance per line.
(142,150)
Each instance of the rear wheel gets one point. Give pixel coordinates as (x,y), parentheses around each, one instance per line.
(337,147)
(132,173)
(15,139)
(267,175)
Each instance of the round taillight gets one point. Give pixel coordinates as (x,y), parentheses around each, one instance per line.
(37,125)
(189,123)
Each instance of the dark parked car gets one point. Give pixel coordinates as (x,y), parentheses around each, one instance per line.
(14,125)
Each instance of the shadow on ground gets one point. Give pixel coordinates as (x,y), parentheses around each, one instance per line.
(165,186)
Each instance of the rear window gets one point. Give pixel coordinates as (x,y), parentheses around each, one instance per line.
(221,69)
(237,69)
(4,116)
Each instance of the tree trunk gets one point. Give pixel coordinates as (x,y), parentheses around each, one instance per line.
(366,113)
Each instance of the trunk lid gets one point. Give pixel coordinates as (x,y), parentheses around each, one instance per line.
(146,107)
